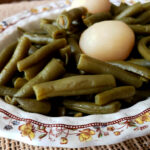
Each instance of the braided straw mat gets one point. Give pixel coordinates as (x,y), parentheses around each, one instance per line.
(142,143)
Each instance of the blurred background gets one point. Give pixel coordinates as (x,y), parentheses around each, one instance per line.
(11,7)
(10,1)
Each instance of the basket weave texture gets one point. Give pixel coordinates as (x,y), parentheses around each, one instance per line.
(142,143)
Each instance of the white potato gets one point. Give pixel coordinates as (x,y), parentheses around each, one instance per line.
(108,40)
(93,6)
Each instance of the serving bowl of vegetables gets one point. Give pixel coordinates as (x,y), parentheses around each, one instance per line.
(72,77)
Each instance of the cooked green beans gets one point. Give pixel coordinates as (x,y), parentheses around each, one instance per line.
(50,72)
(65,53)
(115,10)
(140,29)
(130,11)
(53,30)
(38,39)
(97,18)
(61,111)
(129,20)
(66,18)
(6,54)
(4,90)
(75,49)
(76,85)
(114,94)
(41,53)
(143,93)
(146,6)
(140,70)
(31,105)
(144,17)
(19,53)
(48,65)
(141,62)
(91,108)
(143,49)
(78,115)
(94,66)
(19,82)
(32,50)
(31,72)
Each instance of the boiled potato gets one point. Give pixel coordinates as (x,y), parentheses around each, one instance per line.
(108,40)
(93,6)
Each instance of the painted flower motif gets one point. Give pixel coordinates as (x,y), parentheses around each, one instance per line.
(117,133)
(111,128)
(86,135)
(27,130)
(8,127)
(34,11)
(1,28)
(45,9)
(15,122)
(63,140)
(143,118)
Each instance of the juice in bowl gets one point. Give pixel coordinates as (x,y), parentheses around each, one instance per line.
(77,77)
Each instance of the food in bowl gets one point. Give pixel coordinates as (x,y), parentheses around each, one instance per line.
(49,72)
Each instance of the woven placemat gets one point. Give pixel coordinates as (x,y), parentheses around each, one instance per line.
(142,143)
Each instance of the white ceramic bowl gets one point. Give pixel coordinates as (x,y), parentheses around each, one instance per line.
(68,132)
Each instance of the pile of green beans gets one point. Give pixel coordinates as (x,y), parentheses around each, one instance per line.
(46,72)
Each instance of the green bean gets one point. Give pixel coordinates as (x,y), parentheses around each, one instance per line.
(78,114)
(75,85)
(38,39)
(95,66)
(140,29)
(146,6)
(65,53)
(31,72)
(91,108)
(144,93)
(50,72)
(69,75)
(65,19)
(19,82)
(8,100)
(97,18)
(146,80)
(61,111)
(53,31)
(4,90)
(46,21)
(129,20)
(141,62)
(75,49)
(41,53)
(32,50)
(114,94)
(31,105)
(115,10)
(143,49)
(144,18)
(6,54)
(140,70)
(11,67)
(39,31)
(130,11)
